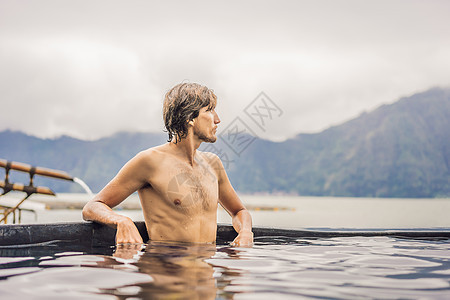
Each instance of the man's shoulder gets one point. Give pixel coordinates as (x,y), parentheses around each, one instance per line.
(152,154)
(154,150)
(209,155)
(212,159)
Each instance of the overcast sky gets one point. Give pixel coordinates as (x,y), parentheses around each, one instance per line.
(92,68)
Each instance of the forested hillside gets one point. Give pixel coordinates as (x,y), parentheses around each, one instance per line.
(398,150)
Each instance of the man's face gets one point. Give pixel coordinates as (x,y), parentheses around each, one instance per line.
(205,125)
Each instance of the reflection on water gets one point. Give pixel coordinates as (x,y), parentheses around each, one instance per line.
(275,268)
(178,271)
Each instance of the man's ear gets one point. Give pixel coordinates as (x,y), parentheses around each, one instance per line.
(191,122)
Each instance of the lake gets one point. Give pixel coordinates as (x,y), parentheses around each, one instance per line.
(275,211)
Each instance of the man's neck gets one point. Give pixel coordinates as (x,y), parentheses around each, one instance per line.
(186,148)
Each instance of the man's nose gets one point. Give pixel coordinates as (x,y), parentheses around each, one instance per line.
(216,118)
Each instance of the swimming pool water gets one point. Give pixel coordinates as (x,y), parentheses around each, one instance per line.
(275,268)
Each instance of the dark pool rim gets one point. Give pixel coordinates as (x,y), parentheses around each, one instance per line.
(94,234)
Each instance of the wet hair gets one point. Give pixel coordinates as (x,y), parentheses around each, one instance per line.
(182,104)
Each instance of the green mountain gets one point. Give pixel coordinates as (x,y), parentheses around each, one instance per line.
(398,150)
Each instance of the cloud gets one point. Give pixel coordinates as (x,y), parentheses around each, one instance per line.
(89,69)
(75,87)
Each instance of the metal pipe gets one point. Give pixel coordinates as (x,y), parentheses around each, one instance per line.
(34,170)
(26,188)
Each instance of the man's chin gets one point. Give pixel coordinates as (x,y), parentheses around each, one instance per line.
(209,139)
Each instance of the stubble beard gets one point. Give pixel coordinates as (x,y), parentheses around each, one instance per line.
(206,139)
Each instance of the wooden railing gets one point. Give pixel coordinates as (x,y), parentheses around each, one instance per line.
(7,186)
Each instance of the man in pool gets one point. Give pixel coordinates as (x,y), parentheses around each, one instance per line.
(179,186)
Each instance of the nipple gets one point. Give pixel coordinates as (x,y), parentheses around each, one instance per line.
(177,201)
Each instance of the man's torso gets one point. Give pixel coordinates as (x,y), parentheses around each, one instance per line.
(180,201)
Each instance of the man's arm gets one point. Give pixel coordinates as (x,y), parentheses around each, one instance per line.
(241,218)
(130,178)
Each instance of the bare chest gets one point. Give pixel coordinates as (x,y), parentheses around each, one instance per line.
(185,188)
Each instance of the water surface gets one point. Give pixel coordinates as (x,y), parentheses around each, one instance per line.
(275,268)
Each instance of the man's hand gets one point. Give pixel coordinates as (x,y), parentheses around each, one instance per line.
(244,239)
(127,232)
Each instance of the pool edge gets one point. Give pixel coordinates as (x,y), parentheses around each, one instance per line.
(94,234)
